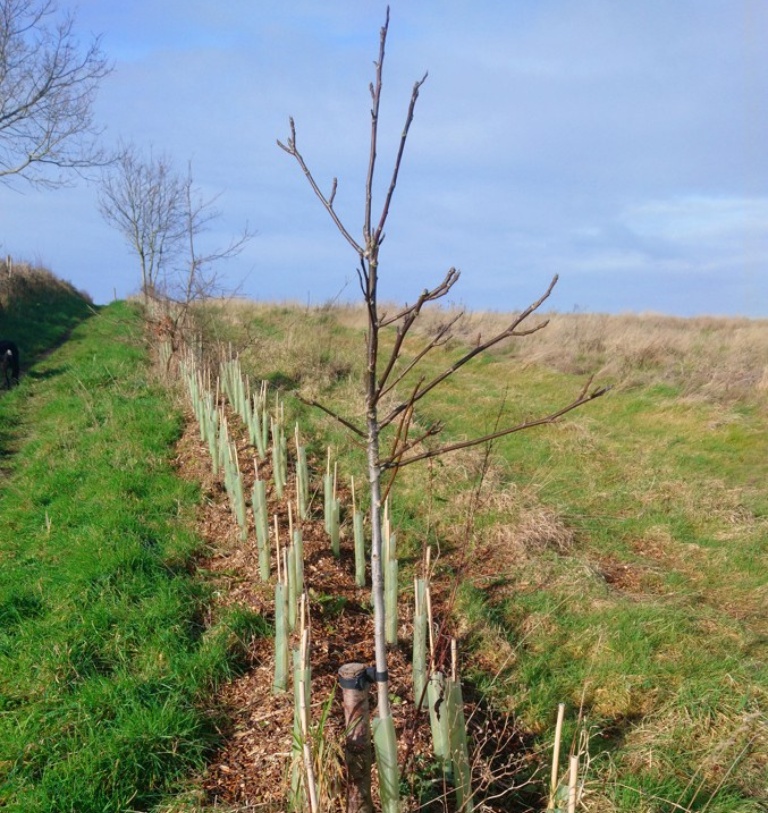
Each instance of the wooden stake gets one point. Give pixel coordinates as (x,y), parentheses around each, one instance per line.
(357,743)
(429,623)
(556,756)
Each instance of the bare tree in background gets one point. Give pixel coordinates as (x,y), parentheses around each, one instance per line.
(161,216)
(48,86)
(144,199)
(385,370)
(199,277)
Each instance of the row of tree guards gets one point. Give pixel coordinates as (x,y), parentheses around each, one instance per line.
(263,415)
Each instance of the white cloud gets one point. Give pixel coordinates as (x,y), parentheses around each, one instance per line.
(701,219)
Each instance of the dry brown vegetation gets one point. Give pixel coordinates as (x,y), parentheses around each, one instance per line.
(713,357)
(717,358)
(21,282)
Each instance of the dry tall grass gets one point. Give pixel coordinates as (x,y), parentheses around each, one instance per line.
(22,281)
(717,358)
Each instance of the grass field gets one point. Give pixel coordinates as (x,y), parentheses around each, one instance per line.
(106,666)
(617,559)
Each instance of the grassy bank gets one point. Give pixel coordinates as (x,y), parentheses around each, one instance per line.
(37,310)
(105,665)
(618,559)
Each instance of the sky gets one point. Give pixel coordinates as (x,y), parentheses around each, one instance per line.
(621,144)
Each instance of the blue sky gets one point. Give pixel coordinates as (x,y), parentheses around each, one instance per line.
(622,145)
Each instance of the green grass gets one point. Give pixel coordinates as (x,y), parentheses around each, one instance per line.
(106,668)
(654,620)
(619,558)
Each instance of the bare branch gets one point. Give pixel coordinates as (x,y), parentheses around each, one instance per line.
(311,402)
(201,280)
(403,138)
(402,430)
(409,316)
(290,148)
(375,99)
(440,338)
(404,426)
(407,445)
(48,90)
(401,445)
(510,330)
(580,401)
(451,278)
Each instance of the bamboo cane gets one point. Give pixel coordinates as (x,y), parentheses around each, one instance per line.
(556,756)
(573,776)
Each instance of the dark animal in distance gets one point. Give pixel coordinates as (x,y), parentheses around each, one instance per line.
(9,362)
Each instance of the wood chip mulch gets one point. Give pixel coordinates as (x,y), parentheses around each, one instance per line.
(251,771)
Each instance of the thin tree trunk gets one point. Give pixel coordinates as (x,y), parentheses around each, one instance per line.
(377,575)
(374,478)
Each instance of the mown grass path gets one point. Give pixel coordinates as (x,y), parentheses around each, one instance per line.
(105,664)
